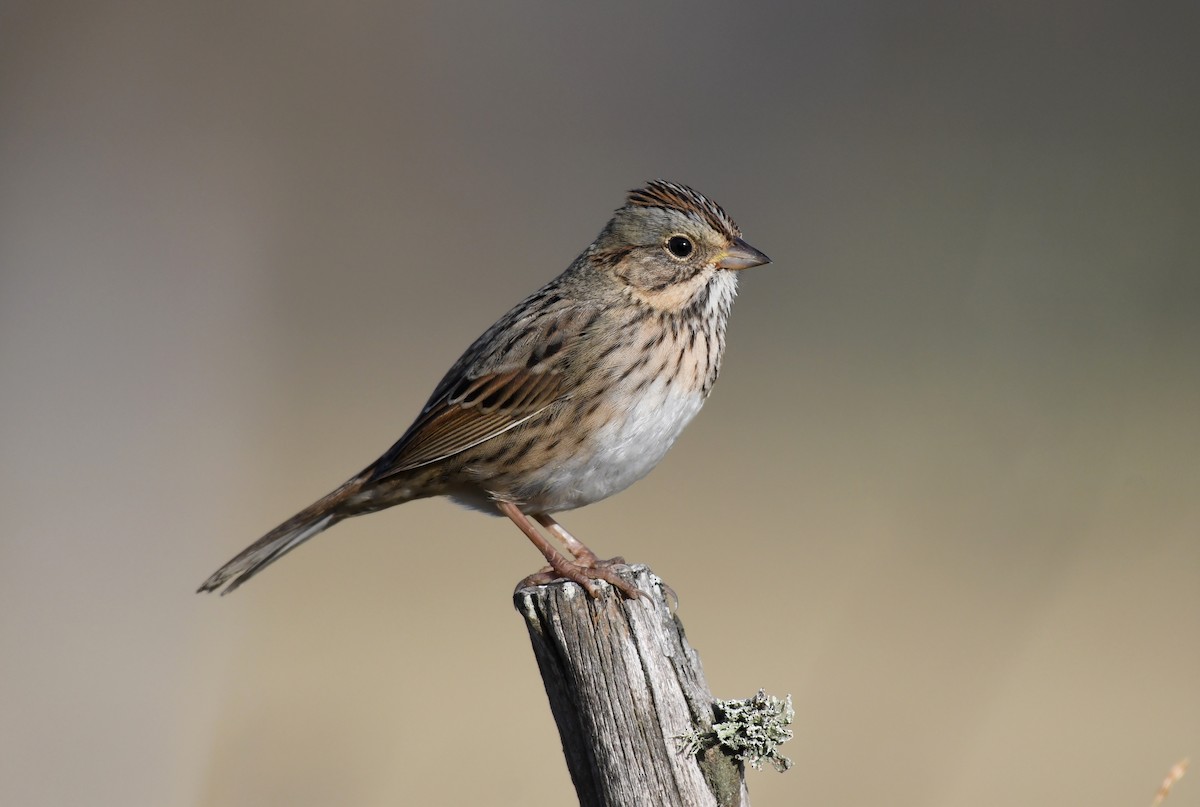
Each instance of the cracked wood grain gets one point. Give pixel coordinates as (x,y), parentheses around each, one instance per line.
(624,685)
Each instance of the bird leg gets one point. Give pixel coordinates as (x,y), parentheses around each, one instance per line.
(581,573)
(583,556)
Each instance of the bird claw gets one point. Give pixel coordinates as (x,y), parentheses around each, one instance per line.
(583,574)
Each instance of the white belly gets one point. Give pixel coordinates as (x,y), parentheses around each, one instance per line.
(622,452)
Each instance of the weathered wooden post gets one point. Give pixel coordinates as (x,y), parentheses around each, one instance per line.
(638,723)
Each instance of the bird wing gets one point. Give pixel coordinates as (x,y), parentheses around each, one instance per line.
(512,373)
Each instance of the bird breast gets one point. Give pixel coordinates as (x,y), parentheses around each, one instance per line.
(621,451)
(665,376)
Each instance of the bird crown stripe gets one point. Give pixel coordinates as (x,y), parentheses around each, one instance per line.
(671,195)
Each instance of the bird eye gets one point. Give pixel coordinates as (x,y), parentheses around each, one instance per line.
(679,246)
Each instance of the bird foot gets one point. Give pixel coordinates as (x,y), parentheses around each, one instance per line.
(582,571)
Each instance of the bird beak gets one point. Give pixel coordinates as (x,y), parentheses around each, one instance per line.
(741,255)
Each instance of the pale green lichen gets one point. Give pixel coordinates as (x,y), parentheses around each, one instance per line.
(749,730)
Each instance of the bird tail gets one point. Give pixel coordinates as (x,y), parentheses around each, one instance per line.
(312,520)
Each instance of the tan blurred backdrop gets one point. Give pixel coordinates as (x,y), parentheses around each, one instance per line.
(947,493)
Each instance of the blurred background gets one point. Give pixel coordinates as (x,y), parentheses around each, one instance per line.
(946,494)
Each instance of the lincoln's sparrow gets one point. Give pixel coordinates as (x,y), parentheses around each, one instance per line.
(571,396)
